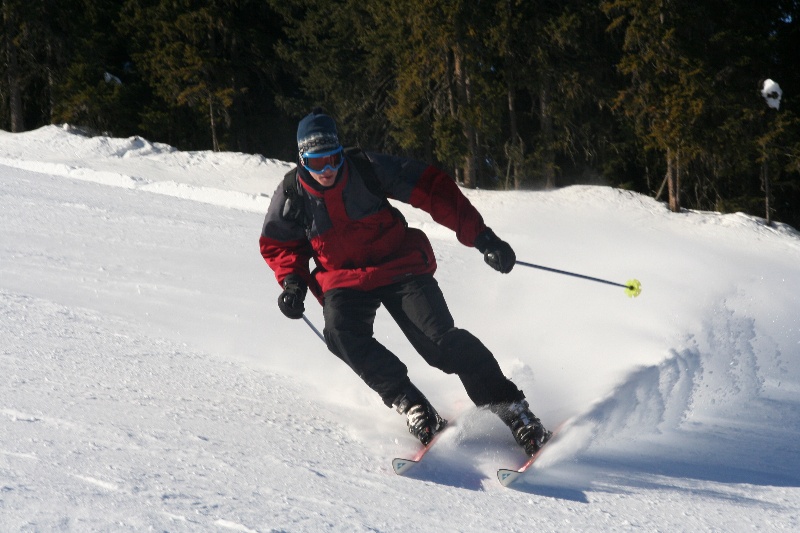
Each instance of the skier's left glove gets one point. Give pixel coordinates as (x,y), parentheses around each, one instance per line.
(496,252)
(291,299)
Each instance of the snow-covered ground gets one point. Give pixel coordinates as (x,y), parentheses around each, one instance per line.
(148,380)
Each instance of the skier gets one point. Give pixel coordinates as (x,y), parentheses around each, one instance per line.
(333,209)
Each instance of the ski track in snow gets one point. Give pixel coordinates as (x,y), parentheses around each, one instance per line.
(148,382)
(197,449)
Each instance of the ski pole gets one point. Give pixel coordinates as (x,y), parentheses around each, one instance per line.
(633,287)
(315,330)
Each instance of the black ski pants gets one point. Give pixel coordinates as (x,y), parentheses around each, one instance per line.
(419,308)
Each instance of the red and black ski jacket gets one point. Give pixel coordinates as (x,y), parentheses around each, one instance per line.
(355,237)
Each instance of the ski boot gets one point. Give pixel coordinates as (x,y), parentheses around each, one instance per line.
(528,430)
(422,419)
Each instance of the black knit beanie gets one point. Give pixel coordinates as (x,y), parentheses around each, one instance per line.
(316,133)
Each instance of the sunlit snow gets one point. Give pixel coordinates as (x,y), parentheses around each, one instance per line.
(149,381)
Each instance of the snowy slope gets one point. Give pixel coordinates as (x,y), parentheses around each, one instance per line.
(148,380)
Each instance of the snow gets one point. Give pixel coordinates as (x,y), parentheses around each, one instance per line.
(149,381)
(772,93)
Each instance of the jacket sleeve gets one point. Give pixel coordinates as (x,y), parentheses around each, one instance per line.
(283,243)
(438,194)
(432,190)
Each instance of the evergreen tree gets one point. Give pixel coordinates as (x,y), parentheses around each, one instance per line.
(337,62)
(13,81)
(502,93)
(551,59)
(664,96)
(445,88)
(30,50)
(180,48)
(96,87)
(692,69)
(562,72)
(213,59)
(407,75)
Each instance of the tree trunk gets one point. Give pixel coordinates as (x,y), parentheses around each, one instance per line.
(765,185)
(452,106)
(15,100)
(51,82)
(214,141)
(463,96)
(515,148)
(13,80)
(548,154)
(674,180)
(515,151)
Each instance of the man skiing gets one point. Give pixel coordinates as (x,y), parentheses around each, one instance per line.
(333,209)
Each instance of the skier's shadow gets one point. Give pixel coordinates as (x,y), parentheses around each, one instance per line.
(453,472)
(550,491)
(448,472)
(556,481)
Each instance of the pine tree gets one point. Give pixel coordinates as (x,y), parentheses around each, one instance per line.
(664,96)
(212,58)
(446,87)
(93,84)
(551,57)
(13,82)
(324,45)
(29,44)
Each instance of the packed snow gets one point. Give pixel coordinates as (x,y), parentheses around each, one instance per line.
(150,383)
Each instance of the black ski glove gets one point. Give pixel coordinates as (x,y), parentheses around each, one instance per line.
(497,253)
(291,299)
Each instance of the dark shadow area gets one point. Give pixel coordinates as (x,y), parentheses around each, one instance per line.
(724,455)
(550,491)
(449,472)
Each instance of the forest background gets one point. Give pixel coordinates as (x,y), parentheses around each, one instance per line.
(658,96)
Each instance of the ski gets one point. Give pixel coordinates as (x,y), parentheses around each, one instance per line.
(403,466)
(508,476)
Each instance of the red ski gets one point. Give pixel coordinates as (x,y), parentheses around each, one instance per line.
(507,476)
(403,466)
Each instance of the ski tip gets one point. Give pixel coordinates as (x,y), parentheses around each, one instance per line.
(507,477)
(401,466)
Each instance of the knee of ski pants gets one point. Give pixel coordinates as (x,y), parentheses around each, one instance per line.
(461,352)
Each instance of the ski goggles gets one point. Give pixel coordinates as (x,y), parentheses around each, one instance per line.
(323,161)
